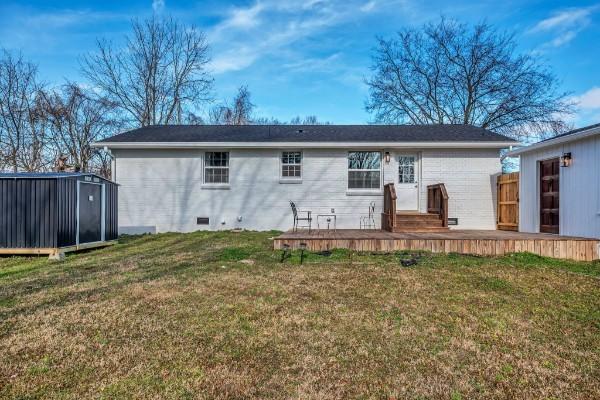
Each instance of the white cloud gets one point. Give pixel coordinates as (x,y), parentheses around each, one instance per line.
(563,19)
(563,39)
(326,64)
(589,100)
(269,27)
(243,18)
(368,6)
(587,108)
(158,6)
(564,25)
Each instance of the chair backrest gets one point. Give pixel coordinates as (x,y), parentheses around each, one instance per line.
(294,210)
(371,209)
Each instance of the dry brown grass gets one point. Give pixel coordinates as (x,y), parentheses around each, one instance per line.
(181,316)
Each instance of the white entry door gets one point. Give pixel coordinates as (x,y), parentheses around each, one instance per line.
(407,189)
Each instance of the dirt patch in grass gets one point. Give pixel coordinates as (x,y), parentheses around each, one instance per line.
(188,316)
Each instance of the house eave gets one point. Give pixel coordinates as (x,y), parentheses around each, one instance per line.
(279,145)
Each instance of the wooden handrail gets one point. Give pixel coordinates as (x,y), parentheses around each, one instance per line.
(388,217)
(437,201)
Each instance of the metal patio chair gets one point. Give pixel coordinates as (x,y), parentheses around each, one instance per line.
(368,221)
(298,218)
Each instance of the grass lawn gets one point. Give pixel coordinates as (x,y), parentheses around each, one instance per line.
(216,315)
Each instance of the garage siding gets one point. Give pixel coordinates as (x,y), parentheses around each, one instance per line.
(579,188)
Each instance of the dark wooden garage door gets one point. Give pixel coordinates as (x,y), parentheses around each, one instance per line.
(549,192)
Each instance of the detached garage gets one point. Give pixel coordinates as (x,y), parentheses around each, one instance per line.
(559,189)
(52,213)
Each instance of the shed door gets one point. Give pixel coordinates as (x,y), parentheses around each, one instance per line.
(90,213)
(549,195)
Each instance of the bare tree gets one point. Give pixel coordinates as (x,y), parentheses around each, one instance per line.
(239,113)
(308,120)
(23,129)
(77,119)
(448,73)
(267,121)
(194,119)
(101,164)
(158,77)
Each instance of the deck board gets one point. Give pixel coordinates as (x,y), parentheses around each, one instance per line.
(480,242)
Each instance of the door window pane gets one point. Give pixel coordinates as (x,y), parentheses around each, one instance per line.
(406,169)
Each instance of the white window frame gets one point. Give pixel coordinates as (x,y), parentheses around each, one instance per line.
(291,179)
(354,191)
(205,166)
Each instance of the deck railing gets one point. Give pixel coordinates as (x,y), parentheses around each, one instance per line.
(437,201)
(388,217)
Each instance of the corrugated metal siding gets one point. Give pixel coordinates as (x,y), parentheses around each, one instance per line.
(111,230)
(67,212)
(28,217)
(42,212)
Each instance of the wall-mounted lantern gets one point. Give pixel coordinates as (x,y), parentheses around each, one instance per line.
(387,157)
(566,160)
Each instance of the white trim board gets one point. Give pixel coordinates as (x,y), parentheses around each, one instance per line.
(303,145)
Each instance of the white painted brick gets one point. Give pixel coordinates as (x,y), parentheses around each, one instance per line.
(163,188)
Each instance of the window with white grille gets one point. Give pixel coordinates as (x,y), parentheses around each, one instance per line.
(216,167)
(291,165)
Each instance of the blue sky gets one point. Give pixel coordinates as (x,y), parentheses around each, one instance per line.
(307,57)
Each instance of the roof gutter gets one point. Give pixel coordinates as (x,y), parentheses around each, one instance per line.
(279,145)
(554,142)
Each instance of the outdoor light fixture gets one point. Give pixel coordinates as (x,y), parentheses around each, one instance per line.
(566,160)
(387,157)
(286,252)
(302,249)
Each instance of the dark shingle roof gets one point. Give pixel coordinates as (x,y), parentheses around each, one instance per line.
(574,131)
(45,175)
(308,133)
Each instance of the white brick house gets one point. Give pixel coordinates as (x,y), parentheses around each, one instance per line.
(185,178)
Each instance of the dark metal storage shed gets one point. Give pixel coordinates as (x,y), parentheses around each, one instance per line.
(52,213)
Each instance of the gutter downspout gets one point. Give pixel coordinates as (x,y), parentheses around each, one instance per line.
(113,164)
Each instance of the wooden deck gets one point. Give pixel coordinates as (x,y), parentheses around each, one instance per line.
(488,243)
(55,253)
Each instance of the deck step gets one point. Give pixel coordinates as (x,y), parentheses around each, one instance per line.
(418,222)
(411,214)
(420,229)
(417,217)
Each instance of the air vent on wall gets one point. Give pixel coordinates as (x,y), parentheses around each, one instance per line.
(202,221)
